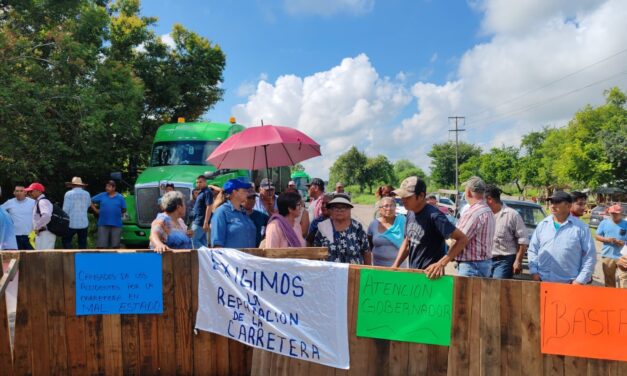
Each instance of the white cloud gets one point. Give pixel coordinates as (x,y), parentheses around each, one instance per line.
(349,104)
(513,83)
(328,7)
(167,40)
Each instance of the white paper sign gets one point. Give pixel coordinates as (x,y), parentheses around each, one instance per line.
(624,250)
(297,308)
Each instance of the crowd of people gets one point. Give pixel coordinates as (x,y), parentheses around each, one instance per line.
(489,239)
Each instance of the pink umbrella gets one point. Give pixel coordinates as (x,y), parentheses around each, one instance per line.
(264,147)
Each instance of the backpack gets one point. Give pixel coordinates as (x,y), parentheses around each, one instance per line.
(59,221)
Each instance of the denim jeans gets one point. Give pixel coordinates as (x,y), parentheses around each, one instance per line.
(199,239)
(474,268)
(503,266)
(81,235)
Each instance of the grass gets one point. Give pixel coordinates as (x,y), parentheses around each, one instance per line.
(363,198)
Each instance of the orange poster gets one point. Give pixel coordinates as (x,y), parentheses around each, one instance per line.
(584,321)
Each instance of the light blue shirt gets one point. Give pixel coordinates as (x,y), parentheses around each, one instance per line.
(231,228)
(7,233)
(21,213)
(563,255)
(608,229)
(75,203)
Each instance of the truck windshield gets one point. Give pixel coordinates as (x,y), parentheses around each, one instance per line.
(182,152)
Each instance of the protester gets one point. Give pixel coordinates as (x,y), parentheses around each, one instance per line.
(425,231)
(283,228)
(111,207)
(382,191)
(230,226)
(76,202)
(259,219)
(8,241)
(622,266)
(291,184)
(202,213)
(189,207)
(561,247)
(316,191)
(580,202)
(339,187)
(343,236)
(477,223)
(266,201)
(510,236)
(313,226)
(42,213)
(386,233)
(612,232)
(20,209)
(432,200)
(169,231)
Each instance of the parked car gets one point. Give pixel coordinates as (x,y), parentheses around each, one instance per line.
(597,215)
(446,202)
(531,213)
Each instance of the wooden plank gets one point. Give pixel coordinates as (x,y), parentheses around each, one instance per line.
(490,327)
(55,301)
(531,356)
(511,334)
(22,362)
(112,341)
(358,346)
(474,337)
(310,253)
(399,358)
(130,344)
(575,366)
(222,352)
(148,344)
(597,367)
(459,351)
(237,360)
(438,360)
(74,325)
(203,342)
(40,352)
(6,356)
(418,359)
(94,345)
(166,342)
(184,324)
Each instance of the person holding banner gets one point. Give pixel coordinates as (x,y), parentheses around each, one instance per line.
(386,233)
(168,230)
(230,225)
(283,229)
(343,236)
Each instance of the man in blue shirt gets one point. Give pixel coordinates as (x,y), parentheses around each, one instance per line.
(202,213)
(76,202)
(612,232)
(111,207)
(561,248)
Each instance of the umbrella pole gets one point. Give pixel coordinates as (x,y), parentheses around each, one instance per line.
(265,152)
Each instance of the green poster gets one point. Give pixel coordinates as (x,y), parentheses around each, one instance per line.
(403,306)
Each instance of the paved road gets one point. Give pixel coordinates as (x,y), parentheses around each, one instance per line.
(365,214)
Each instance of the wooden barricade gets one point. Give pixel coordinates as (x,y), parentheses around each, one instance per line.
(496,331)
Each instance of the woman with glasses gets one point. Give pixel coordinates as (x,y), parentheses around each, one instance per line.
(168,230)
(284,230)
(343,236)
(386,233)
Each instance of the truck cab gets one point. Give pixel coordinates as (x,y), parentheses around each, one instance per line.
(178,156)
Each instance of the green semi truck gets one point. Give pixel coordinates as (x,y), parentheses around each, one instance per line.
(178,156)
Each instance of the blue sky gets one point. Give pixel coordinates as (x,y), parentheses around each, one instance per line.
(385,75)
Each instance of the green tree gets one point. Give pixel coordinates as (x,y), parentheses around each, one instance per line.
(85,84)
(403,168)
(350,168)
(443,161)
(378,170)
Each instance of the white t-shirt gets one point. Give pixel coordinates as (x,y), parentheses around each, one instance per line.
(21,213)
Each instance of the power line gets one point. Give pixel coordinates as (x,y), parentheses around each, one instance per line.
(543,102)
(548,84)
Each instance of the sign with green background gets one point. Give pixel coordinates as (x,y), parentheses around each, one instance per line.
(404,306)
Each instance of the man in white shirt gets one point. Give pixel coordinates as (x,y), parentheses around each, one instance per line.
(42,213)
(20,210)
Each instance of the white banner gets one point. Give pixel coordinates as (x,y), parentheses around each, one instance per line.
(292,307)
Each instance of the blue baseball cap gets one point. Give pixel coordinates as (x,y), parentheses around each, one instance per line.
(234,184)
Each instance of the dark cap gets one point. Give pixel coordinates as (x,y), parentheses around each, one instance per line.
(560,196)
(318,182)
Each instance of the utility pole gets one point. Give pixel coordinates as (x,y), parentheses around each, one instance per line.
(457,130)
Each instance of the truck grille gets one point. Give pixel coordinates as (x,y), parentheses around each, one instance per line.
(147,203)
